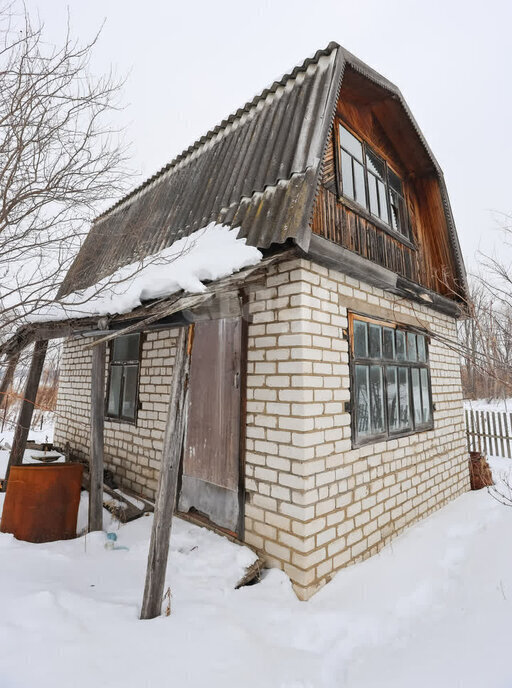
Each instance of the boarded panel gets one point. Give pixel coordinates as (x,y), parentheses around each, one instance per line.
(211,459)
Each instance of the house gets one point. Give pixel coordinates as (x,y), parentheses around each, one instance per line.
(324,398)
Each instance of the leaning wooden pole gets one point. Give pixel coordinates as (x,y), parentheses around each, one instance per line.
(7,379)
(99,353)
(27,406)
(167,482)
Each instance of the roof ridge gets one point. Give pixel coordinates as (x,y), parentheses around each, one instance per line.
(249,105)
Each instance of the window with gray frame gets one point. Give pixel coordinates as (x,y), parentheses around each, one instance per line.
(391,392)
(369,180)
(123,379)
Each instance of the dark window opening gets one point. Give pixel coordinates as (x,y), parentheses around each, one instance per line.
(391,391)
(369,181)
(123,380)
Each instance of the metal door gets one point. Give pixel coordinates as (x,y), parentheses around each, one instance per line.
(211,456)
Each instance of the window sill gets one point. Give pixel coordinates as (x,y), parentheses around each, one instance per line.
(375,439)
(124,421)
(363,212)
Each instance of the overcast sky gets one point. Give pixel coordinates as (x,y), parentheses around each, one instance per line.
(190,64)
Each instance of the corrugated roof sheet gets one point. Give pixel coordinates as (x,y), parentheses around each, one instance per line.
(258,170)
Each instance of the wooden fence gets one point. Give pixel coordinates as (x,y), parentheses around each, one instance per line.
(489,432)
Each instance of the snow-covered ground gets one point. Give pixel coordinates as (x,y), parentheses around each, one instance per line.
(500,405)
(432,609)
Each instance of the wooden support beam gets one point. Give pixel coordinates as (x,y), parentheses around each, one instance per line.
(168,480)
(97,431)
(7,379)
(27,406)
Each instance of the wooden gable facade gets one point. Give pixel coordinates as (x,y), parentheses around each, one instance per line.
(377,117)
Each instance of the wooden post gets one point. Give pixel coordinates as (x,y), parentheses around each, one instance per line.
(27,406)
(167,482)
(7,379)
(99,352)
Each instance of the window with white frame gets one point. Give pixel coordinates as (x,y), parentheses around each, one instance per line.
(368,180)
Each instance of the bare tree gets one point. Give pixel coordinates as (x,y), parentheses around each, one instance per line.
(61,159)
(486,337)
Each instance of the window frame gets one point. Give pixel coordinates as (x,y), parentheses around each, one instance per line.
(112,363)
(383,364)
(364,209)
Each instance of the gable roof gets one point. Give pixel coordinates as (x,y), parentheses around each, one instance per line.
(258,170)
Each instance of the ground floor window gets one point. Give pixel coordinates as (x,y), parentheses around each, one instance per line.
(391,390)
(123,379)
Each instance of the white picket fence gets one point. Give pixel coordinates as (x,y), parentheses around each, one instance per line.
(489,432)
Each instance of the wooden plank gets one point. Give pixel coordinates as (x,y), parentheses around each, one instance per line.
(500,429)
(478,444)
(506,435)
(495,433)
(27,407)
(128,511)
(167,482)
(97,432)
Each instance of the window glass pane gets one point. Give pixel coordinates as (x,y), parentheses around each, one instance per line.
(360,193)
(416,396)
(372,195)
(375,341)
(346,175)
(383,204)
(403,384)
(398,216)
(360,339)
(422,349)
(129,391)
(388,340)
(425,395)
(114,393)
(400,345)
(351,144)
(394,211)
(392,391)
(126,348)
(376,399)
(362,400)
(411,347)
(374,164)
(395,183)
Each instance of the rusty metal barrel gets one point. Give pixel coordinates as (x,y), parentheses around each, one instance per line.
(41,502)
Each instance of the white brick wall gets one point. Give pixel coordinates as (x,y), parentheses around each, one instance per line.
(132,451)
(314,503)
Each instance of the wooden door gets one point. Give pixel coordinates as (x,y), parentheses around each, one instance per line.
(211,458)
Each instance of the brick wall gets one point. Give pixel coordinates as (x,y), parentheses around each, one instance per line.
(315,504)
(132,451)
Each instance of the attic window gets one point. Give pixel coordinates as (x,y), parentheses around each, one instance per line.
(391,392)
(368,180)
(123,379)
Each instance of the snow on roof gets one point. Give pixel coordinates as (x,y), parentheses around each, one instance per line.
(209,254)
